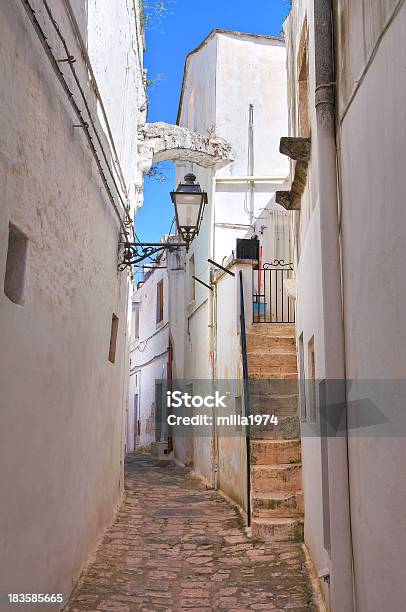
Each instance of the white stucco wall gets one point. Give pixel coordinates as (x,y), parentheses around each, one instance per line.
(370,133)
(62,400)
(116,26)
(231,442)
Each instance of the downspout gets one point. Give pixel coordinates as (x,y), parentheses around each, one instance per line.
(213,332)
(341,590)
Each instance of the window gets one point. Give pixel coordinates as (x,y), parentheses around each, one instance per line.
(303,91)
(312,379)
(15,265)
(192,282)
(136,321)
(113,338)
(302,383)
(160,301)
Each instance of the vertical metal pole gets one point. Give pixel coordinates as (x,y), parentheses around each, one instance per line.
(246,397)
(251,160)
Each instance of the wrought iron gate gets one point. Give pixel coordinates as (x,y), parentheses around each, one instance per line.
(270,300)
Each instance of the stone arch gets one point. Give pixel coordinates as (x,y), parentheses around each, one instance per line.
(162,141)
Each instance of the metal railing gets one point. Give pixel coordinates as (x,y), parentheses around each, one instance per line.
(246,396)
(270,300)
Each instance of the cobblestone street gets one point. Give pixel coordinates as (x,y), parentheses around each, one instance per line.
(176,546)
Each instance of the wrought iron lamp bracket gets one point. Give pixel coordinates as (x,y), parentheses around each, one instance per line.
(134,253)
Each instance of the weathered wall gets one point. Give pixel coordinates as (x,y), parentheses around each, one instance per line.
(370,132)
(230,441)
(309,309)
(372,135)
(62,400)
(116,26)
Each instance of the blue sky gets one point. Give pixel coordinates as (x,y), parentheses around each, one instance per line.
(170,37)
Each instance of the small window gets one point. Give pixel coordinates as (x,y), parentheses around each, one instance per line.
(136,321)
(113,338)
(192,282)
(302,376)
(160,301)
(16,264)
(312,379)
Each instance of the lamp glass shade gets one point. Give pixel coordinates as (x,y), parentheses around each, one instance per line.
(188,207)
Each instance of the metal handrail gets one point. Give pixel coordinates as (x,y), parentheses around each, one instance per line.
(246,396)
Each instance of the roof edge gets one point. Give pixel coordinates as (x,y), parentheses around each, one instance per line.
(203,43)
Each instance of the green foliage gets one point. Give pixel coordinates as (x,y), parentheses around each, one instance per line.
(158,172)
(152,12)
(155,81)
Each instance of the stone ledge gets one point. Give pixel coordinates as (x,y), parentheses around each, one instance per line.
(298,149)
(295,148)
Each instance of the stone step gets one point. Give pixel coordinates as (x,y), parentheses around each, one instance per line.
(280,410)
(266,374)
(279,352)
(277,477)
(277,504)
(273,329)
(281,406)
(272,358)
(288,428)
(262,341)
(272,452)
(274,387)
(278,529)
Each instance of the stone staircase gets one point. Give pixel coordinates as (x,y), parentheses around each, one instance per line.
(276,487)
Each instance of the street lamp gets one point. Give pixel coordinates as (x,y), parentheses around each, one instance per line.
(189,201)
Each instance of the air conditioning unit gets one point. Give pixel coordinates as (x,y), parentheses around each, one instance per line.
(248,248)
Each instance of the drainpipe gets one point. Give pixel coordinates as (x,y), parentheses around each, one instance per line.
(336,466)
(213,334)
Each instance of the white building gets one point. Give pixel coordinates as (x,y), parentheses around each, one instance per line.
(63,303)
(349,254)
(157,328)
(235,88)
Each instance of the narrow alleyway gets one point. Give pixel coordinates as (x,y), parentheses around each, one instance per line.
(175,546)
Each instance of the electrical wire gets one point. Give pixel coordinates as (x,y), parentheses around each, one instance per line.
(146,340)
(95,87)
(83,124)
(75,76)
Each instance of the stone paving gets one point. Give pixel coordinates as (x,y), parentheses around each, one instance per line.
(176,546)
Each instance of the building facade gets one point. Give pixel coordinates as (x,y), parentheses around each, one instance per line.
(347,190)
(68,175)
(235,88)
(156,351)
